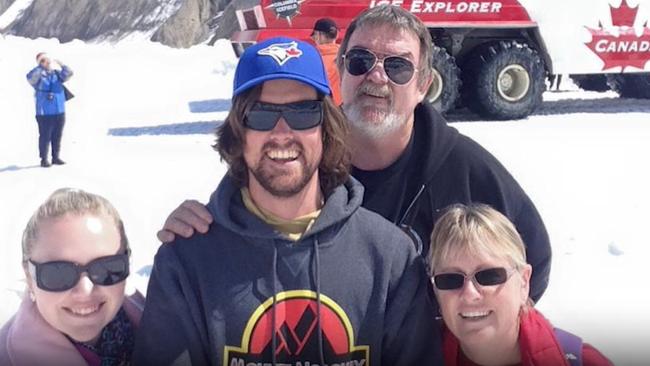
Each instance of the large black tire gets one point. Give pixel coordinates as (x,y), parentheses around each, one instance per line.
(445,86)
(503,80)
(595,82)
(631,85)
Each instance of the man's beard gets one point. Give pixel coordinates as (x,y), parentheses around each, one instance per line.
(283,182)
(389,120)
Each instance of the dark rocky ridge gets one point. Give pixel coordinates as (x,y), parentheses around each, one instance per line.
(227,24)
(176,23)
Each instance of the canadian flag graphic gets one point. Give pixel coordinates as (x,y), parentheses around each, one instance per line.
(625,49)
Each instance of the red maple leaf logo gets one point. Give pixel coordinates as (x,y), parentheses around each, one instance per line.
(623,15)
(293,52)
(627,49)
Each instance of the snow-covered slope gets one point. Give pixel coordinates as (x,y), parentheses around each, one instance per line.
(13,12)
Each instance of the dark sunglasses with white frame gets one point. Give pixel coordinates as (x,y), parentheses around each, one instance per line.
(485,277)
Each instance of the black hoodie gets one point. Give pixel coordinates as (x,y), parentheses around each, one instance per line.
(356,277)
(441,167)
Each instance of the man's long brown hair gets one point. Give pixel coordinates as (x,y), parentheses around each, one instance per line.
(334,167)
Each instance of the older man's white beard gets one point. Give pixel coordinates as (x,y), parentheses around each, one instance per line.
(390,121)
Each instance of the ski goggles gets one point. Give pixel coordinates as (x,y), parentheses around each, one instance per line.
(58,276)
(301,115)
(486,277)
(359,61)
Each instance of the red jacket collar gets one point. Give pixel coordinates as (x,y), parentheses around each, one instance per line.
(537,343)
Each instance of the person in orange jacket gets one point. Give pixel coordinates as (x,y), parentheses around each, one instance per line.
(324,36)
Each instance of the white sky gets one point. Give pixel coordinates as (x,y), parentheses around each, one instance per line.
(583,161)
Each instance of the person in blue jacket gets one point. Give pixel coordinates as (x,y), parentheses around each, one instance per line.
(50,105)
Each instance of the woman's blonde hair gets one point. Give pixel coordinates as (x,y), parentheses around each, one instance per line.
(476,229)
(70,201)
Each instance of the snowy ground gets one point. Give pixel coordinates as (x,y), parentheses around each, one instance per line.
(139,133)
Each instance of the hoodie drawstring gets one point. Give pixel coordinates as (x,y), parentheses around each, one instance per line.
(405,223)
(318,305)
(406,217)
(274,340)
(274,337)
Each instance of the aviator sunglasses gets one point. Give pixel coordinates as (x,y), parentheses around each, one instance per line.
(485,277)
(301,115)
(359,61)
(57,276)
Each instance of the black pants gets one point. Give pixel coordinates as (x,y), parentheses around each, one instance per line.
(50,131)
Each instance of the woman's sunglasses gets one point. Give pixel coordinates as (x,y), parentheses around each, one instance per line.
(299,115)
(57,276)
(485,277)
(359,61)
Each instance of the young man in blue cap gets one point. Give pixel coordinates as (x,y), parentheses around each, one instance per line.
(294,271)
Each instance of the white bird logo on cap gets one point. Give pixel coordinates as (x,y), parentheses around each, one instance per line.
(281,52)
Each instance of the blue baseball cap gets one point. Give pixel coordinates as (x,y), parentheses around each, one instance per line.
(280,58)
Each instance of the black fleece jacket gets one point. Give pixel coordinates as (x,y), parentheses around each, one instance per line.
(441,167)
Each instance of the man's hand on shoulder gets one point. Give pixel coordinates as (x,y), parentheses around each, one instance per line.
(191,215)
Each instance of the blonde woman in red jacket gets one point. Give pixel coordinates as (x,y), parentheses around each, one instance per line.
(76,260)
(481,280)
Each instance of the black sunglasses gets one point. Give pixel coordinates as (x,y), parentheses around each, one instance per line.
(299,115)
(485,277)
(57,276)
(359,61)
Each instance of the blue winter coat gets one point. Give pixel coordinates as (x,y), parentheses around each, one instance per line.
(48,86)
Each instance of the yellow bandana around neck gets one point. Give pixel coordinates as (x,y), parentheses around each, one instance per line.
(293,229)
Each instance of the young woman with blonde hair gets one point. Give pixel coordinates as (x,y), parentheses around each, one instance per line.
(76,261)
